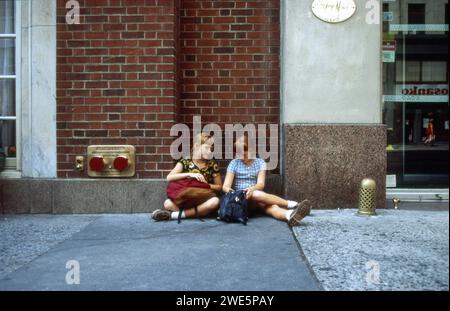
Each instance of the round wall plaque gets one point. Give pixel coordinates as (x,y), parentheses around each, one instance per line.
(333,11)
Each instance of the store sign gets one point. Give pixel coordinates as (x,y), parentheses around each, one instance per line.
(421,90)
(388,56)
(333,11)
(418,27)
(388,16)
(431,93)
(389,45)
(391,181)
(389,48)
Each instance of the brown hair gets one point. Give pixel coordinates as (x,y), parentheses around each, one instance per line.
(248,148)
(244,137)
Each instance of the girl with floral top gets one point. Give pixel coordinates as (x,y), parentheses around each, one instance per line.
(201,169)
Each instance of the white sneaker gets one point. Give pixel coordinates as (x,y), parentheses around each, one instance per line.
(302,210)
(161,215)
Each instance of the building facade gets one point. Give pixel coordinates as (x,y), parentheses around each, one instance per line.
(352,99)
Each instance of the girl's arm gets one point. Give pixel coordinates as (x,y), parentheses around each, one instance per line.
(176,174)
(261,181)
(229,177)
(260,184)
(217,186)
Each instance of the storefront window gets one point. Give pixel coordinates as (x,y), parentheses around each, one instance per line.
(416,100)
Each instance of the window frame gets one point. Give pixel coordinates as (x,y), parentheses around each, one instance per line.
(14,164)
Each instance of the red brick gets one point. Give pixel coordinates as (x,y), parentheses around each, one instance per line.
(124,78)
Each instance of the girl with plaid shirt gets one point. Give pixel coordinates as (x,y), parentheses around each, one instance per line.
(249,174)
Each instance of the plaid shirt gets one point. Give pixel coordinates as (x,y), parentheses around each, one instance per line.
(245,176)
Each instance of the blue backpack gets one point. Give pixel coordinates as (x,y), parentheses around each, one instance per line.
(234,207)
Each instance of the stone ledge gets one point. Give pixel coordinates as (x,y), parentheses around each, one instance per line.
(89,196)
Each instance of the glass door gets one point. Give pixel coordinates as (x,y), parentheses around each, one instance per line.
(415,82)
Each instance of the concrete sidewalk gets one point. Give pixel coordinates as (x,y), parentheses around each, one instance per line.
(131,252)
(395,250)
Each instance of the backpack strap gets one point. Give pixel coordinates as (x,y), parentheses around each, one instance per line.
(196,215)
(179,214)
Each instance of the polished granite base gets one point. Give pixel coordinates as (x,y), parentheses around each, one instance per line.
(326,163)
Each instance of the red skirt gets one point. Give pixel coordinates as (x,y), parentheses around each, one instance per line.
(187,193)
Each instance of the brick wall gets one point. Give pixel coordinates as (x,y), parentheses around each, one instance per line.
(116,81)
(230,61)
(132,68)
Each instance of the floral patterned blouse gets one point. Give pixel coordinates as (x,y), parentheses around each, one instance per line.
(209,171)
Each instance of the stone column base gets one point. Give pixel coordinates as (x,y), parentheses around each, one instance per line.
(326,163)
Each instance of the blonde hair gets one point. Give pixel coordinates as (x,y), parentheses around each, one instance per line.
(199,140)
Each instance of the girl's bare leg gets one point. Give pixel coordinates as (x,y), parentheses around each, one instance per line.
(170,206)
(268,199)
(203,209)
(272,210)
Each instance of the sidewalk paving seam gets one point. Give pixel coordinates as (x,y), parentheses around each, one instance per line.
(306,261)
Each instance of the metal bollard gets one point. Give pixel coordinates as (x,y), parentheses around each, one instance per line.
(367,197)
(396,201)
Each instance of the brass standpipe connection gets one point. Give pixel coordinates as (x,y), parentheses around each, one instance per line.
(79,163)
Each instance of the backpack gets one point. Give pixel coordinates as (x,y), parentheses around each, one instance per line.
(234,207)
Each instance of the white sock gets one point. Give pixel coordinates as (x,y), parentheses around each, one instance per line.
(174,215)
(288,214)
(292,204)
